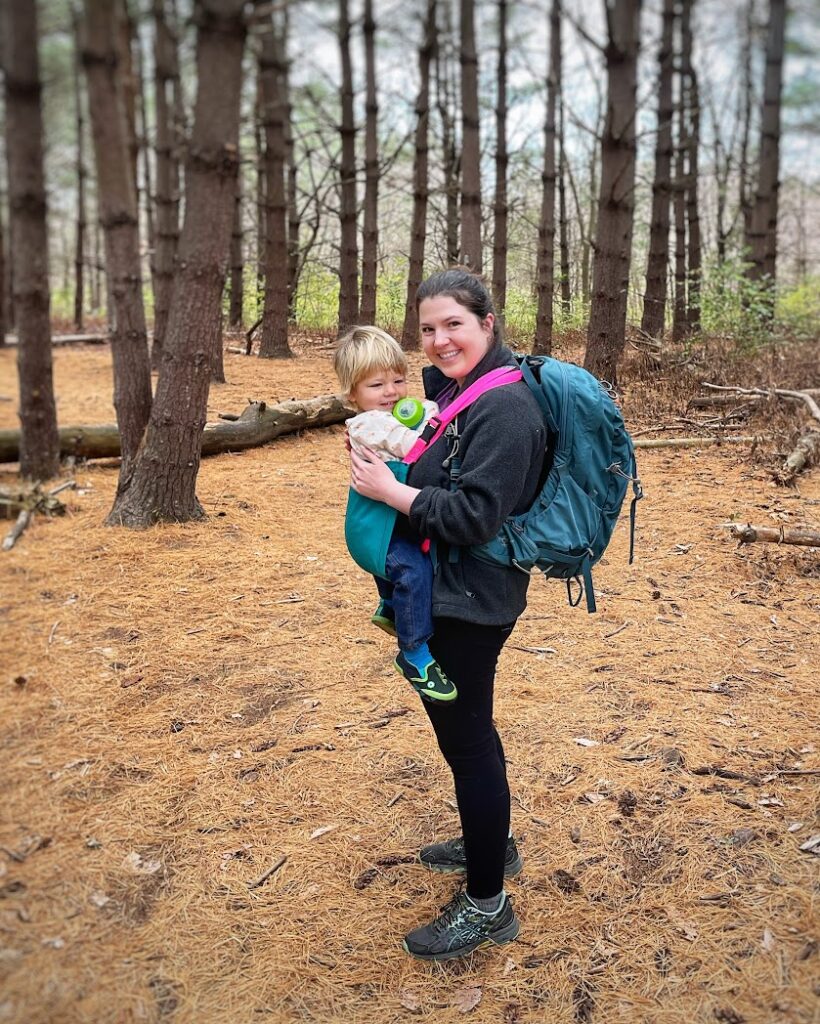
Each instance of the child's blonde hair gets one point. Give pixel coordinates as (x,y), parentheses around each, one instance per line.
(364,351)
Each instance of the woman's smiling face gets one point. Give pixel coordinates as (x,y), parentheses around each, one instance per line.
(453,338)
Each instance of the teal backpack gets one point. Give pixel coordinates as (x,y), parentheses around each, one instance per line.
(589,465)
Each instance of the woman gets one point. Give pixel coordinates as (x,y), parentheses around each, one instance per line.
(500,442)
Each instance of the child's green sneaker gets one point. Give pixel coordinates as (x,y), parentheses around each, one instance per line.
(385,618)
(427,679)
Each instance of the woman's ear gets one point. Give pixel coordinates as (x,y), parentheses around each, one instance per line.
(488,323)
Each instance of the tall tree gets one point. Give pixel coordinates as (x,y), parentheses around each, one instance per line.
(563,220)
(470,142)
(747,94)
(418,236)
(142,142)
(274,339)
(545,263)
(692,93)
(654,305)
(500,207)
(294,214)
(117,199)
(39,441)
(370,231)
(446,104)
(166,82)
(606,334)
(762,241)
(237,259)
(82,174)
(4,315)
(349,254)
(680,323)
(163,483)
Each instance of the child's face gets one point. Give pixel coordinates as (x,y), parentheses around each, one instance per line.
(380,390)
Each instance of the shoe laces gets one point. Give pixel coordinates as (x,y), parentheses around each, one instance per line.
(461,916)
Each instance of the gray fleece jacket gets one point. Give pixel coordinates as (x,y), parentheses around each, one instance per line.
(502,440)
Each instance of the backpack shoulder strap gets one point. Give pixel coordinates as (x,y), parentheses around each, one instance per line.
(437,424)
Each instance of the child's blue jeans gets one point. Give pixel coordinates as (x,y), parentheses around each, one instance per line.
(409,590)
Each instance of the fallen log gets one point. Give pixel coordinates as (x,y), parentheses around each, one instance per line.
(69,339)
(258,424)
(806,453)
(23,519)
(806,397)
(721,401)
(748,534)
(697,442)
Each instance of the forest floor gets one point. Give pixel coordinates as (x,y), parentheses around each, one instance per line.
(183,708)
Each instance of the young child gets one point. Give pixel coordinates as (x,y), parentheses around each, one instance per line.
(372,370)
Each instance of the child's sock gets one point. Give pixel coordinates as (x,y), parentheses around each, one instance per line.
(419,656)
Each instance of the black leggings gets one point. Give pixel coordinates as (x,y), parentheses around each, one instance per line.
(468,653)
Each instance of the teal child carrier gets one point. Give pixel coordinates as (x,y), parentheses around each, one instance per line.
(369,526)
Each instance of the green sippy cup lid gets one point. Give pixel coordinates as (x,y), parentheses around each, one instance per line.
(409,412)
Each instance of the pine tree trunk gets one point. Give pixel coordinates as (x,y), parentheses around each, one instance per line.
(349,255)
(692,155)
(446,103)
(261,195)
(294,217)
(274,334)
(163,484)
(606,334)
(370,231)
(744,190)
(500,209)
(118,215)
(79,244)
(563,221)
(654,307)
(237,261)
(545,261)
(144,150)
(166,74)
(4,317)
(680,326)
(39,442)
(470,143)
(124,36)
(418,235)
(763,228)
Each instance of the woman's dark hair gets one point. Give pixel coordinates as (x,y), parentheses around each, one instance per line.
(468,290)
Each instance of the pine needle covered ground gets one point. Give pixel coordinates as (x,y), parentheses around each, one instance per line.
(186,708)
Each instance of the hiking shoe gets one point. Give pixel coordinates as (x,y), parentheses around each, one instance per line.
(462,928)
(449,857)
(430,681)
(385,618)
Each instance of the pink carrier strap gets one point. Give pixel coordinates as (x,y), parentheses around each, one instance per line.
(437,424)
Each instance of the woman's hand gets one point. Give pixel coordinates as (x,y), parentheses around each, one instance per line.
(370,477)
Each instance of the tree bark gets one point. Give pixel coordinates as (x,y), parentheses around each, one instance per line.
(79,243)
(118,215)
(258,424)
(4,305)
(418,236)
(273,342)
(563,220)
(163,484)
(294,216)
(680,325)
(693,269)
(261,195)
(370,231)
(349,255)
(237,261)
(39,457)
(613,241)
(446,103)
(470,144)
(763,228)
(744,190)
(144,151)
(545,262)
(166,73)
(654,308)
(805,453)
(500,207)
